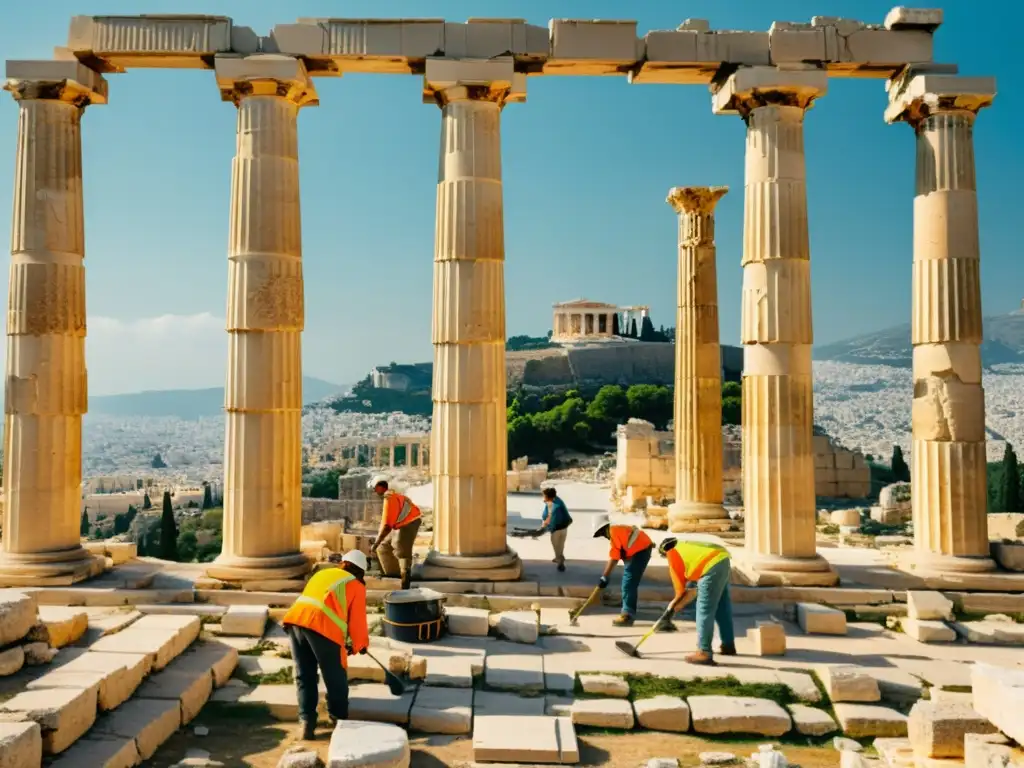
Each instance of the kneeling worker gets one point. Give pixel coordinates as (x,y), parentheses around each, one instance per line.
(399,525)
(710,567)
(325,624)
(633,547)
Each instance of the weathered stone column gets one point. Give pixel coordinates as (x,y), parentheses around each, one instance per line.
(46,378)
(778,396)
(263,396)
(698,389)
(948,467)
(468,440)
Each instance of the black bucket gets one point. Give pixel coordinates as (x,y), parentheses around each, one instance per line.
(414,616)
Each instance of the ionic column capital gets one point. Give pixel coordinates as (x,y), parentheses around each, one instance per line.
(915,96)
(264,75)
(67,81)
(748,88)
(493,80)
(695,199)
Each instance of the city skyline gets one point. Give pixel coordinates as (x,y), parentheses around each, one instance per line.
(587,164)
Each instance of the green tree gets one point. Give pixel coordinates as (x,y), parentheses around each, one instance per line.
(610,404)
(123,521)
(168,531)
(647,332)
(207,496)
(1010,496)
(632,329)
(325,484)
(615,325)
(188,545)
(157,462)
(146,503)
(650,403)
(732,389)
(732,410)
(83,527)
(900,470)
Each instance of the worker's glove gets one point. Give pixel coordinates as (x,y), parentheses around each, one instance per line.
(363,650)
(603,582)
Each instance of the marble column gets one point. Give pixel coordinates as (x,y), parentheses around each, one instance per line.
(468,440)
(263,395)
(46,387)
(778,396)
(948,464)
(698,386)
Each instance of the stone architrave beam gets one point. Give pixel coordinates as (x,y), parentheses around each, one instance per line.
(698,386)
(46,377)
(263,394)
(777,332)
(948,463)
(117,43)
(468,449)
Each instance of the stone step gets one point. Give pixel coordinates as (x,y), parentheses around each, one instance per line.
(161,637)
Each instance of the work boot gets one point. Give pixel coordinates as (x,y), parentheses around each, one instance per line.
(700,657)
(622,620)
(666,626)
(308,731)
(561,567)
(727,650)
(406,580)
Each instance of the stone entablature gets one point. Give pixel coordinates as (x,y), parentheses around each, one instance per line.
(583,319)
(380,451)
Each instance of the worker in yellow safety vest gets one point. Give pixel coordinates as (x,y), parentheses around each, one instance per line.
(708,566)
(633,547)
(399,524)
(325,624)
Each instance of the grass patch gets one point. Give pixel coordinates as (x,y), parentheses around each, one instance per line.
(1018,618)
(258,649)
(284,676)
(830,529)
(284,653)
(209,618)
(257,714)
(957,688)
(649,686)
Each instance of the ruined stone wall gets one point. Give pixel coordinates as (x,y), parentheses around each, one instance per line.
(839,472)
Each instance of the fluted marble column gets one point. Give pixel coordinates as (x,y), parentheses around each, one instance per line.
(46,388)
(698,388)
(948,466)
(778,395)
(263,395)
(469,439)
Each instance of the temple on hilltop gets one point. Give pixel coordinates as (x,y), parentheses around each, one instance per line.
(586,320)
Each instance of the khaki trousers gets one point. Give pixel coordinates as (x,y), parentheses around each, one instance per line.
(558,544)
(395,552)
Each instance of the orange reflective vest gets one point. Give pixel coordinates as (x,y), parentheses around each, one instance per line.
(689,560)
(627,540)
(333,604)
(399,510)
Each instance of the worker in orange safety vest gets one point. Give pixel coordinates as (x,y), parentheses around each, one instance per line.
(633,547)
(325,624)
(399,524)
(709,566)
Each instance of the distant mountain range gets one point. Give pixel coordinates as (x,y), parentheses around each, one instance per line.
(191,403)
(1003,343)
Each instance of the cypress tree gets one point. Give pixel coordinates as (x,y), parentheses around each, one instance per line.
(615,325)
(1010,495)
(146,503)
(632,329)
(900,470)
(83,527)
(168,531)
(207,496)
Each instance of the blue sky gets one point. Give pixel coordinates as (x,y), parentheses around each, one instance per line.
(587,164)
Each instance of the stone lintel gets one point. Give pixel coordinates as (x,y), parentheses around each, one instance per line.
(63,79)
(928,19)
(689,56)
(915,95)
(695,199)
(116,43)
(264,75)
(593,47)
(751,87)
(486,79)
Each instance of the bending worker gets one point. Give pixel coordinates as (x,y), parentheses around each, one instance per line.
(709,566)
(633,547)
(325,624)
(398,528)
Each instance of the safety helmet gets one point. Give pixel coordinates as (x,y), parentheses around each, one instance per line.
(357,559)
(667,545)
(600,523)
(377,480)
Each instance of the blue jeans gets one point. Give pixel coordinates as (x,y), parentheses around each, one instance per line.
(632,571)
(310,651)
(714,606)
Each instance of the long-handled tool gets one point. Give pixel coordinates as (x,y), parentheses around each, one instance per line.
(631,650)
(575,615)
(396,686)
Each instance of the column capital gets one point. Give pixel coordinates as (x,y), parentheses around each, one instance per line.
(748,88)
(448,80)
(264,75)
(69,81)
(695,199)
(913,96)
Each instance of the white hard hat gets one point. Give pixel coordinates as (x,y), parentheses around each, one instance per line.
(357,558)
(600,523)
(377,480)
